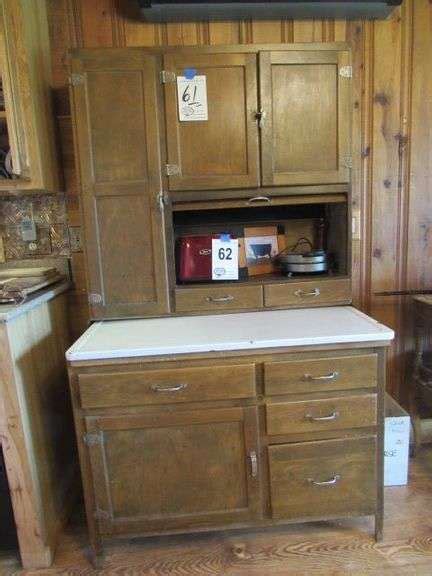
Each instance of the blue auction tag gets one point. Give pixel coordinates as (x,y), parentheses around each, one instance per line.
(225,238)
(189,73)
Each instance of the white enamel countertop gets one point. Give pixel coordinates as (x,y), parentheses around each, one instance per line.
(245,331)
(9,312)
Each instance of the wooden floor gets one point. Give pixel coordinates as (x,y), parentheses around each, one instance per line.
(330,549)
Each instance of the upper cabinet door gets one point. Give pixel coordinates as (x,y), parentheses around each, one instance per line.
(115,106)
(26,116)
(305,127)
(222,151)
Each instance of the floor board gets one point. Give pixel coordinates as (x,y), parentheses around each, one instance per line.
(319,549)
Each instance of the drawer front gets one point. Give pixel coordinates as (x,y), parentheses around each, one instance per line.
(321,374)
(167,386)
(301,294)
(325,478)
(305,416)
(225,297)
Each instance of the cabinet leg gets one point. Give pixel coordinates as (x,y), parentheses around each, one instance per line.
(96,555)
(379,526)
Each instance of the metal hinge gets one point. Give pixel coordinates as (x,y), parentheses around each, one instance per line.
(167,76)
(172,169)
(94,298)
(99,514)
(93,438)
(346,71)
(76,79)
(347,162)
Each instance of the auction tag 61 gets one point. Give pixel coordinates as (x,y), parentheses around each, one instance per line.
(225,258)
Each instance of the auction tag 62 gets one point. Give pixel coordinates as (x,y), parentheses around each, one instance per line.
(225,258)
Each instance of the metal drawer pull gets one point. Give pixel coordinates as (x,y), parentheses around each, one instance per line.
(227,298)
(331,376)
(175,388)
(312,294)
(254,463)
(259,199)
(331,482)
(322,418)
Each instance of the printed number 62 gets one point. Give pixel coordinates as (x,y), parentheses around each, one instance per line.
(225,253)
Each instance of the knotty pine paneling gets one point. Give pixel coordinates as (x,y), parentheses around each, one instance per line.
(392,134)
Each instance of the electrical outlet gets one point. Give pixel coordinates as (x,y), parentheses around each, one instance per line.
(75,238)
(355,227)
(28,230)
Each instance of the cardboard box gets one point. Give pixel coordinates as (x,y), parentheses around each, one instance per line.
(396,443)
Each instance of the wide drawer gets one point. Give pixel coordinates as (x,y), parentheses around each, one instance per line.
(308,293)
(321,374)
(325,478)
(167,386)
(301,417)
(225,297)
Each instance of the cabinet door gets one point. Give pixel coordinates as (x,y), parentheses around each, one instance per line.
(174,470)
(305,132)
(27,121)
(117,136)
(221,152)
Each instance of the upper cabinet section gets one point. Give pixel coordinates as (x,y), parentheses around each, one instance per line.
(245,120)
(305,128)
(220,151)
(27,144)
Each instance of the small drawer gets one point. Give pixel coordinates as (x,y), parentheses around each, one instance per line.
(325,478)
(167,386)
(320,374)
(300,294)
(227,297)
(306,416)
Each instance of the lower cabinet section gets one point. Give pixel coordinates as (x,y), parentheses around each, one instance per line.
(163,471)
(319,479)
(211,441)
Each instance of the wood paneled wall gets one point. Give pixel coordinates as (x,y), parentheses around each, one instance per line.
(392,110)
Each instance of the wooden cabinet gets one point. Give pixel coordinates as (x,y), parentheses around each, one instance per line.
(162,471)
(116,103)
(27,133)
(175,444)
(221,152)
(302,114)
(274,151)
(305,135)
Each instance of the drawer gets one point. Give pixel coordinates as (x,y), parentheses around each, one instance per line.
(325,478)
(167,386)
(308,293)
(303,416)
(321,374)
(227,297)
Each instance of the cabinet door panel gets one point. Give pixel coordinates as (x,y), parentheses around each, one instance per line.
(305,135)
(221,152)
(177,470)
(117,137)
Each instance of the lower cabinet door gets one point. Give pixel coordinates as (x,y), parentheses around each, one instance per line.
(174,470)
(323,479)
